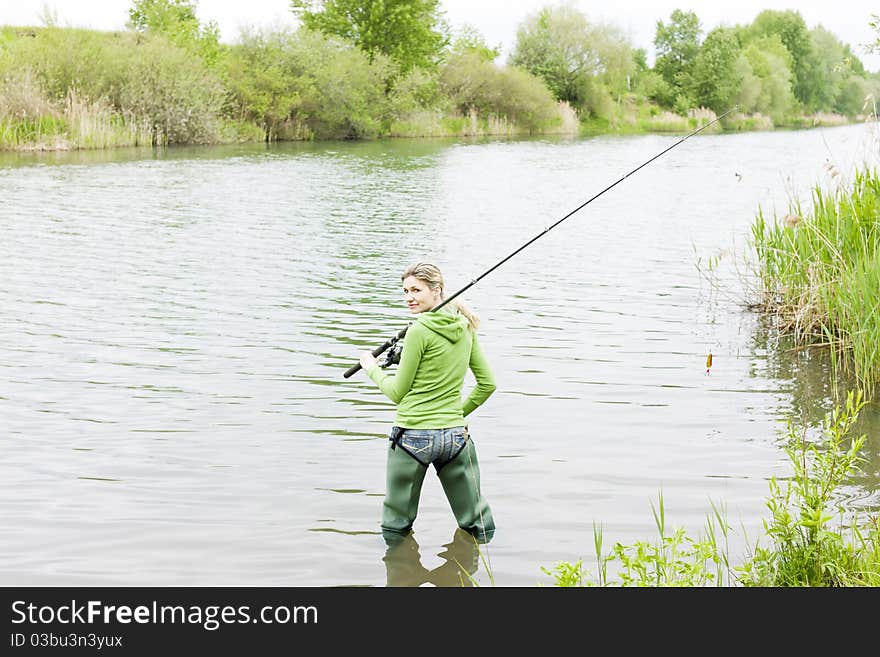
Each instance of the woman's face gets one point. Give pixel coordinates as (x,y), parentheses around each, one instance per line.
(418,296)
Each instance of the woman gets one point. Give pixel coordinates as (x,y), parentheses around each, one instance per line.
(429,426)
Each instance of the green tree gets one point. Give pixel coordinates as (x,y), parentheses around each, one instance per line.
(651,85)
(411,32)
(578,61)
(617,61)
(791,29)
(468,39)
(263,87)
(853,96)
(640,60)
(641,71)
(304,83)
(677,45)
(827,69)
(749,86)
(853,62)
(177,20)
(716,76)
(767,88)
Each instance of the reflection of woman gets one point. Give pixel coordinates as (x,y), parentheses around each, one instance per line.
(461,558)
(429,427)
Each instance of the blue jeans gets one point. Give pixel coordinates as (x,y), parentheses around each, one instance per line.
(437,446)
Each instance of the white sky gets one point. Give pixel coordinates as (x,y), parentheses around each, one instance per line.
(496,19)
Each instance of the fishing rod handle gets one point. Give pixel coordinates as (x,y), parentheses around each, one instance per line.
(376,352)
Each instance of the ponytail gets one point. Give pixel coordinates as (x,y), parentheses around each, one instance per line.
(472,318)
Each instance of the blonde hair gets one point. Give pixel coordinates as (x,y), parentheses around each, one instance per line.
(430,275)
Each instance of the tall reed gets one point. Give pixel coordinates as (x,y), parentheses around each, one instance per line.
(27,116)
(819,274)
(96,125)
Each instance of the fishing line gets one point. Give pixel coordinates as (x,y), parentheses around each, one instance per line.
(399,336)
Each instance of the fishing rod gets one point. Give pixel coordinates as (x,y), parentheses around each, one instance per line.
(399,336)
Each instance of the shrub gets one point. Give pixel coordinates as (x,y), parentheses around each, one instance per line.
(147,81)
(472,83)
(306,83)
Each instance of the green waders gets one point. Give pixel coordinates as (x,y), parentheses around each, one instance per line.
(460,479)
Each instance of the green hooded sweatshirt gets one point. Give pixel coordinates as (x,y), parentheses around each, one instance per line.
(438,349)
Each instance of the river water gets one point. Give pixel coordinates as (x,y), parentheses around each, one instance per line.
(175,325)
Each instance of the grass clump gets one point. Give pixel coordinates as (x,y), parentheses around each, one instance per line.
(675,559)
(805,548)
(820,274)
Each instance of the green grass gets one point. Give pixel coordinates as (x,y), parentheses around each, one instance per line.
(820,274)
(674,559)
(78,125)
(39,131)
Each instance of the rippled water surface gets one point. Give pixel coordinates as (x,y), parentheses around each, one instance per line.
(174,327)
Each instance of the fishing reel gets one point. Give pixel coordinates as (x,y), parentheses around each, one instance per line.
(392,355)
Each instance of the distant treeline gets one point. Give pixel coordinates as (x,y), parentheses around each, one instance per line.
(397,70)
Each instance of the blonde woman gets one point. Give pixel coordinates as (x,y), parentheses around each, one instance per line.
(429,426)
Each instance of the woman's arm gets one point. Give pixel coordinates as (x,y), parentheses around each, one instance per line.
(485,381)
(395,387)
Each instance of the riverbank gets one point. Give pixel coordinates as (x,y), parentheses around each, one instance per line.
(651,119)
(92,126)
(66,88)
(133,89)
(80,126)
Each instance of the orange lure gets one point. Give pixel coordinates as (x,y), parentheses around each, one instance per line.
(708,362)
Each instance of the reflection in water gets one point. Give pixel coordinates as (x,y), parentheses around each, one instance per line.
(403,564)
(816,388)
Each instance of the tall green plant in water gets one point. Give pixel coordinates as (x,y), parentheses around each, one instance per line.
(675,559)
(820,275)
(806,549)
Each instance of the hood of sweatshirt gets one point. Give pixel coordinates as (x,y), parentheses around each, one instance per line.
(451,325)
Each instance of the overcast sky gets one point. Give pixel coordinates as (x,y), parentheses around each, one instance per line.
(496,19)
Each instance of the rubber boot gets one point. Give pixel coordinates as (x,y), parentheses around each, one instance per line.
(461,483)
(403,486)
